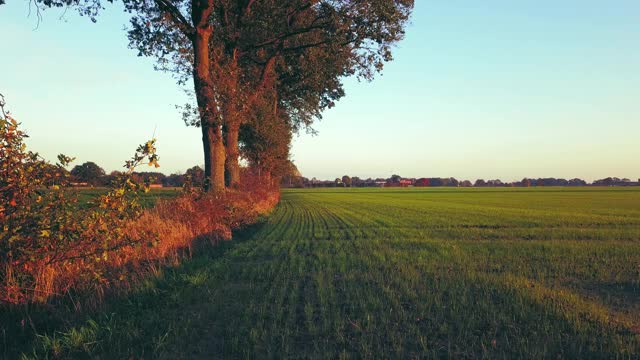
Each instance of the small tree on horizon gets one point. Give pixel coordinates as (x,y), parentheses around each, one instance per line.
(346,180)
(88,172)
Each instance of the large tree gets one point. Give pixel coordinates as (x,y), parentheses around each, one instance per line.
(184,29)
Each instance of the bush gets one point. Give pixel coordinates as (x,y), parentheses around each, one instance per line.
(44,235)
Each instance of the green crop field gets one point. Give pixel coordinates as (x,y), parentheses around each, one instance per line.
(394,273)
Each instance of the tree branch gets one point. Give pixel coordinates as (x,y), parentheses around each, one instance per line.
(2,104)
(288,35)
(264,81)
(247,9)
(201,11)
(176,16)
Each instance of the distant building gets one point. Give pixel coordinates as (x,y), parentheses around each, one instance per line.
(406,182)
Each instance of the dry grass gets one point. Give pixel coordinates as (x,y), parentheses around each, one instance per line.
(162,235)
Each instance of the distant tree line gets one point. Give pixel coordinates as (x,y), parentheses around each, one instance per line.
(91,174)
(399,181)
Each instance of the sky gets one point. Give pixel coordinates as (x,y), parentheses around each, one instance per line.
(494,89)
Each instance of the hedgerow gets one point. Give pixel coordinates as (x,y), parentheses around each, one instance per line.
(49,246)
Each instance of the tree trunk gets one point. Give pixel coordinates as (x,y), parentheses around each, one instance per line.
(235,112)
(232,164)
(214,152)
(232,118)
(217,155)
(267,178)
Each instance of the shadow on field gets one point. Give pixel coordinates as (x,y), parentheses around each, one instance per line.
(138,323)
(620,296)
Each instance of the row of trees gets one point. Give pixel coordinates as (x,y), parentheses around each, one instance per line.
(398,181)
(91,174)
(260,69)
(614,181)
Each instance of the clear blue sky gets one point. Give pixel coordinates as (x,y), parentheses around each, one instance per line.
(497,89)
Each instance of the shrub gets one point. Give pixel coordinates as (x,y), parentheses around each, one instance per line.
(43,233)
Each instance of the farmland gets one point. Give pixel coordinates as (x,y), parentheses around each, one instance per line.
(343,273)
